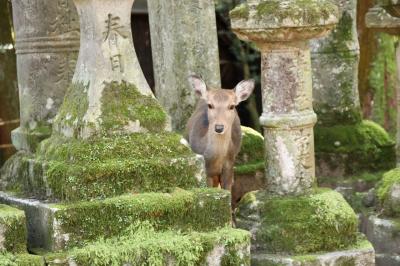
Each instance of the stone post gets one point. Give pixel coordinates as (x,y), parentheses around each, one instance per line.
(341,133)
(47,44)
(335,61)
(184,41)
(287,218)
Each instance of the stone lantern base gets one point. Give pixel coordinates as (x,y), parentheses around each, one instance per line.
(303,230)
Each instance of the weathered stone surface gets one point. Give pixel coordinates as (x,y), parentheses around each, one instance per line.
(361,255)
(55,227)
(47,44)
(388,192)
(184,42)
(280,30)
(384,235)
(378,17)
(387,260)
(335,70)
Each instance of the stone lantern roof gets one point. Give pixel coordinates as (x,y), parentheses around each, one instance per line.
(287,20)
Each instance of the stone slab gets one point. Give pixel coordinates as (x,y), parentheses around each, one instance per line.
(387,260)
(363,256)
(12,229)
(55,227)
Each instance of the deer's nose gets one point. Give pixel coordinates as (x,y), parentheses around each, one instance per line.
(219,128)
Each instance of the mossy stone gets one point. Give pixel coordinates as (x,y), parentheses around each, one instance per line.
(77,169)
(8,259)
(141,244)
(388,192)
(13,229)
(321,221)
(201,210)
(367,144)
(252,148)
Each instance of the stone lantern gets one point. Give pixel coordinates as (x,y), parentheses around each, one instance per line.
(291,217)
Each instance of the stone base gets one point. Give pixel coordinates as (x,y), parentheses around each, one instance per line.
(74,170)
(361,256)
(344,150)
(322,220)
(27,140)
(56,227)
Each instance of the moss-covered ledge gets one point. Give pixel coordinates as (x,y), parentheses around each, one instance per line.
(141,244)
(321,221)
(12,230)
(70,169)
(388,192)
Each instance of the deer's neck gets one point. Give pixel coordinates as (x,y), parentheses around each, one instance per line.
(217,145)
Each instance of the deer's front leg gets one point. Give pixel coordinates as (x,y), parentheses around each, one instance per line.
(227,176)
(213,181)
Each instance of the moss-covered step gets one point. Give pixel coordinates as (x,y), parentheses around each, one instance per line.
(8,259)
(344,150)
(320,221)
(60,226)
(388,192)
(12,230)
(73,169)
(142,244)
(360,254)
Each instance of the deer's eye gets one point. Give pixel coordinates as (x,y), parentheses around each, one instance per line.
(210,106)
(231,107)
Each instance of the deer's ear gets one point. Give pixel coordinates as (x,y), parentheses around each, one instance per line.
(243,90)
(198,85)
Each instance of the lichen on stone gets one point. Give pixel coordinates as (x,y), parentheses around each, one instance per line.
(13,229)
(241,11)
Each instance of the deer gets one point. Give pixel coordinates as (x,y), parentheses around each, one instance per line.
(214,131)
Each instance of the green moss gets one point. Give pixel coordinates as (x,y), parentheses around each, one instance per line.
(303,11)
(346,114)
(12,222)
(322,221)
(252,148)
(367,144)
(390,179)
(199,209)
(241,11)
(74,107)
(249,168)
(123,103)
(8,259)
(108,166)
(141,244)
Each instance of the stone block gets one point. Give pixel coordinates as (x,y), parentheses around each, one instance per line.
(297,224)
(384,234)
(12,230)
(56,227)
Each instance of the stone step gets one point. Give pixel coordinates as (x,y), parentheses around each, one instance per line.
(8,259)
(361,254)
(55,227)
(12,230)
(141,244)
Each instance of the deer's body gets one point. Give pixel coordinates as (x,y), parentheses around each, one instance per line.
(214,130)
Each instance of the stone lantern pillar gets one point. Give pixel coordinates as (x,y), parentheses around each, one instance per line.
(47,45)
(291,216)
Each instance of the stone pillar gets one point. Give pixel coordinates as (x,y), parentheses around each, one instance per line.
(279,217)
(341,133)
(184,41)
(335,61)
(47,44)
